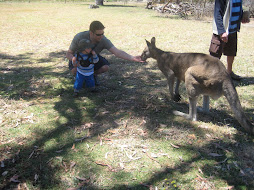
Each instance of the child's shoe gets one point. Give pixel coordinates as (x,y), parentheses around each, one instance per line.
(94,90)
(76,94)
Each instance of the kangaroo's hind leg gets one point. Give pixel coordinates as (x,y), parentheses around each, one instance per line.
(206,102)
(192,110)
(177,96)
(193,91)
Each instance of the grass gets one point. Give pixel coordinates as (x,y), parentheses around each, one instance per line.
(125,137)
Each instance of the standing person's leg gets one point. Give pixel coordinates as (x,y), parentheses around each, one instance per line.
(230,50)
(230,60)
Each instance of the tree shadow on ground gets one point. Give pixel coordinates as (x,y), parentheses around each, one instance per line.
(124,90)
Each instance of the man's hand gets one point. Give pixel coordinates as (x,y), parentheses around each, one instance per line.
(75,63)
(137,59)
(224,37)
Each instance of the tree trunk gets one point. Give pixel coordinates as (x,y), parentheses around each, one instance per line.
(99,2)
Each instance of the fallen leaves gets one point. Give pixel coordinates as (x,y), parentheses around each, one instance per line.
(68,165)
(215,154)
(35,152)
(72,164)
(152,158)
(204,183)
(15,179)
(36,177)
(87,125)
(131,156)
(2,164)
(82,138)
(4,173)
(83,182)
(175,146)
(108,165)
(192,137)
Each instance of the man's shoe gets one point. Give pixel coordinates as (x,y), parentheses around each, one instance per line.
(97,83)
(234,76)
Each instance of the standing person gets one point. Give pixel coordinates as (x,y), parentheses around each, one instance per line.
(228,15)
(85,69)
(100,42)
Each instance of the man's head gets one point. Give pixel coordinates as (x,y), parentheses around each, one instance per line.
(96,31)
(96,25)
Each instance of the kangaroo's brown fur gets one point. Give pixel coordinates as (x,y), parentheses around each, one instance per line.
(202,74)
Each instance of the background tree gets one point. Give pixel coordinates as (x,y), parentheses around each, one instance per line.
(99,2)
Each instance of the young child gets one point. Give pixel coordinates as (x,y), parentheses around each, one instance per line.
(86,58)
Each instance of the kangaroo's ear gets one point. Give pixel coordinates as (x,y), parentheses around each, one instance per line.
(153,41)
(148,43)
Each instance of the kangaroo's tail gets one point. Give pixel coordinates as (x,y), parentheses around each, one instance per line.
(230,93)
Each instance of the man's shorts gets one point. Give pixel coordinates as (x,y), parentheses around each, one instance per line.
(217,46)
(102,61)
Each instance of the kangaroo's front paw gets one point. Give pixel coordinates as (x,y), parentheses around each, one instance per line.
(177,98)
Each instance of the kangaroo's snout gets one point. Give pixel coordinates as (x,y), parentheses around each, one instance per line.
(143,57)
(145,54)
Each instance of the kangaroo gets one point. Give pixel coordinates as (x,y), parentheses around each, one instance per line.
(203,75)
